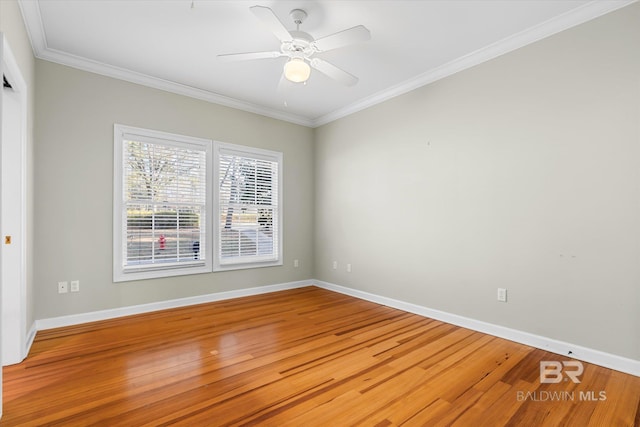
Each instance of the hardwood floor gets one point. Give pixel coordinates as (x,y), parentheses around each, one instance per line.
(304,357)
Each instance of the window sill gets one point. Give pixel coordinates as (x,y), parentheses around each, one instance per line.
(247,265)
(128,275)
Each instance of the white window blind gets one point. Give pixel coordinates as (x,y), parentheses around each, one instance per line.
(249,217)
(163,203)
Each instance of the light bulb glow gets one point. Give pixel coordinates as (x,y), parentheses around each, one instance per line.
(296,70)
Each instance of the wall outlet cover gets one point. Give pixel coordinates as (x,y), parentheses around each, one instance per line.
(63,287)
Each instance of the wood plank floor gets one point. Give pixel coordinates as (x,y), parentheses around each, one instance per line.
(304,357)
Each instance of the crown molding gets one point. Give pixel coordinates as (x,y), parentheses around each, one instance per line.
(35,29)
(53,55)
(548,28)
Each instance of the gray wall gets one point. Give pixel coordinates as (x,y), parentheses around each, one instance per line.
(522,173)
(75,114)
(12,27)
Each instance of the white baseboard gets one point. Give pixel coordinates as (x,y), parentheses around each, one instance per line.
(31,335)
(76,319)
(585,354)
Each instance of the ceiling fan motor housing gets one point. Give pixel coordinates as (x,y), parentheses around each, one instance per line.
(301,44)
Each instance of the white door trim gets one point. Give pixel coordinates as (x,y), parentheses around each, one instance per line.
(13,219)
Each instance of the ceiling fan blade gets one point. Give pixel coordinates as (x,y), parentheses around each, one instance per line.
(334,72)
(271,21)
(232,57)
(343,38)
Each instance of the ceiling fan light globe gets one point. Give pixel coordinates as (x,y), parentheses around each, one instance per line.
(296,70)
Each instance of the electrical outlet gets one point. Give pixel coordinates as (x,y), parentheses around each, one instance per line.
(63,287)
(502,295)
(75,286)
(335,265)
(296,263)
(348,268)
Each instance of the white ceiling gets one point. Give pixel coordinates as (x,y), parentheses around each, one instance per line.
(173,46)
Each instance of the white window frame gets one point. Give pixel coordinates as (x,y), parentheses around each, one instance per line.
(218,148)
(122,273)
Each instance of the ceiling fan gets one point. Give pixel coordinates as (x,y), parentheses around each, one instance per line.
(301,48)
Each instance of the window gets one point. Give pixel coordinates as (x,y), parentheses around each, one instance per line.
(185,205)
(162,204)
(248,227)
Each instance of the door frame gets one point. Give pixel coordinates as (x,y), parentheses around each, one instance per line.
(20,343)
